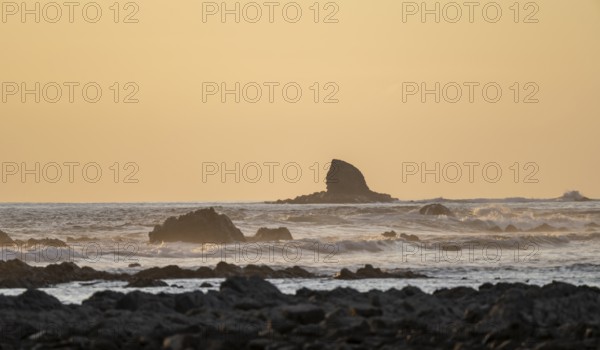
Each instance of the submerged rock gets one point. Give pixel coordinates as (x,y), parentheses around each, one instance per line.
(200,226)
(435,209)
(272,234)
(345,184)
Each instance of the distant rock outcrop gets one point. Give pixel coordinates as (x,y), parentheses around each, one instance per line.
(200,226)
(573,196)
(435,209)
(272,234)
(345,184)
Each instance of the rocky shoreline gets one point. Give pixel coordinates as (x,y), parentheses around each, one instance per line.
(250,313)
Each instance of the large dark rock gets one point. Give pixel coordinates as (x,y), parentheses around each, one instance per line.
(200,226)
(5,238)
(272,234)
(435,209)
(345,184)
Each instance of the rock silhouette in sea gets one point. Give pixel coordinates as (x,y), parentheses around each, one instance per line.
(272,234)
(345,184)
(5,238)
(511,228)
(200,226)
(573,196)
(435,209)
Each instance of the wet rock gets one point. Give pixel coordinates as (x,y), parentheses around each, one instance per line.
(200,226)
(345,184)
(17,274)
(272,234)
(435,209)
(369,272)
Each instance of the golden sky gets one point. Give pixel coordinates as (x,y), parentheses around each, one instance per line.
(365,57)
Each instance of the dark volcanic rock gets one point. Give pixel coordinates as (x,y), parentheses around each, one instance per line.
(370,272)
(345,184)
(271,234)
(5,238)
(250,313)
(200,226)
(435,209)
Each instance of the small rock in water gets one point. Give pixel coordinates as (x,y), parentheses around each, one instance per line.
(409,237)
(435,209)
(272,234)
(389,234)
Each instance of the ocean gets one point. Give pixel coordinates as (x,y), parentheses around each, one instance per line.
(467,249)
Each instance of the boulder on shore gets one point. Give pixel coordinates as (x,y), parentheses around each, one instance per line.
(272,234)
(200,226)
(435,209)
(345,184)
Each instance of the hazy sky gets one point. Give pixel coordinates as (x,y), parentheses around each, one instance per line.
(370,61)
